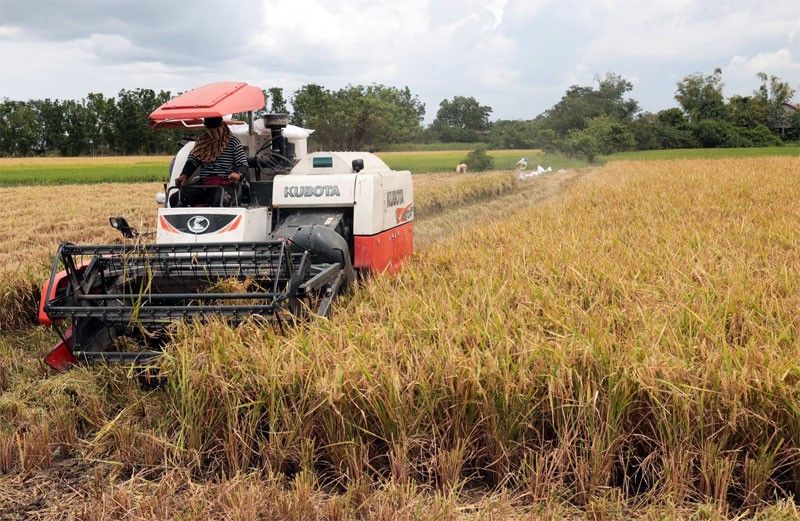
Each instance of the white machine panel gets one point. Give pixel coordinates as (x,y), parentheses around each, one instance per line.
(383,201)
(294,190)
(179,162)
(369,210)
(212,225)
(321,163)
(398,198)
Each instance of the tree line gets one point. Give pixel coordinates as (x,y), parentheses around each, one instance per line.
(590,121)
(587,121)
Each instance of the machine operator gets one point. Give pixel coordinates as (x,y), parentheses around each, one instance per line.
(218,159)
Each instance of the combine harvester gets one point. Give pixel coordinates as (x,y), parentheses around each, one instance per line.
(294,235)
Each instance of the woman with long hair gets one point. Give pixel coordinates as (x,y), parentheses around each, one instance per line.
(218,159)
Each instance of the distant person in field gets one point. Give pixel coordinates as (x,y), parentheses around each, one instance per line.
(218,159)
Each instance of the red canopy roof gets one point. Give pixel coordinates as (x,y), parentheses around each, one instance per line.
(214,100)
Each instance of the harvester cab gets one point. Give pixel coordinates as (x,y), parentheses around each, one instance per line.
(291,238)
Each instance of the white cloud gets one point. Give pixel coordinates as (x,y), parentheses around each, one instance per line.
(516,55)
(679,30)
(496,7)
(352,30)
(780,61)
(10,32)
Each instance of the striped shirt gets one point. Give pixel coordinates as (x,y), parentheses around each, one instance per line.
(232,159)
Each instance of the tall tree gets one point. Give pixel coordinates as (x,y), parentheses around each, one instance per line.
(700,96)
(747,111)
(358,116)
(20,132)
(130,125)
(309,102)
(774,93)
(278,102)
(78,128)
(461,119)
(102,111)
(50,118)
(583,103)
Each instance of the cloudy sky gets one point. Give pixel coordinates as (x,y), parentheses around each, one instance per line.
(518,56)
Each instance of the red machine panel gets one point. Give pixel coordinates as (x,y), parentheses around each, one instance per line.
(384,251)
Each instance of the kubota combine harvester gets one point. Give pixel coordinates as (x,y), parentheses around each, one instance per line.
(294,235)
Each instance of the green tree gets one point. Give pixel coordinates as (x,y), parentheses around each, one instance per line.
(278,102)
(793,131)
(478,160)
(513,134)
(602,135)
(102,111)
(461,119)
(132,134)
(309,102)
(747,111)
(673,117)
(716,133)
(19,129)
(582,103)
(774,93)
(50,119)
(78,127)
(580,143)
(357,116)
(700,96)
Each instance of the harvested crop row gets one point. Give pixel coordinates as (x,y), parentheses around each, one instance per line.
(437,192)
(34,220)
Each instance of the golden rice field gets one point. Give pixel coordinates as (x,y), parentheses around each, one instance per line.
(627,349)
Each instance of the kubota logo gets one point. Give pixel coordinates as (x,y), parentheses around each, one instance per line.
(311,191)
(404,214)
(197,224)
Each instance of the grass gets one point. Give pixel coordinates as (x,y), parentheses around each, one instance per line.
(141,169)
(418,147)
(90,172)
(428,158)
(706,153)
(446,161)
(628,350)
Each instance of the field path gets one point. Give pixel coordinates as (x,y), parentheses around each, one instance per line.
(532,191)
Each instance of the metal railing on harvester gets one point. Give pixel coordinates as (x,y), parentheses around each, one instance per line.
(109,291)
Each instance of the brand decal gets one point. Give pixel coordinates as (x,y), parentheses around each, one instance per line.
(197,224)
(404,214)
(394,198)
(311,191)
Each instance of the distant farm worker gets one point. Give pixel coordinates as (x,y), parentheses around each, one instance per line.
(218,159)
